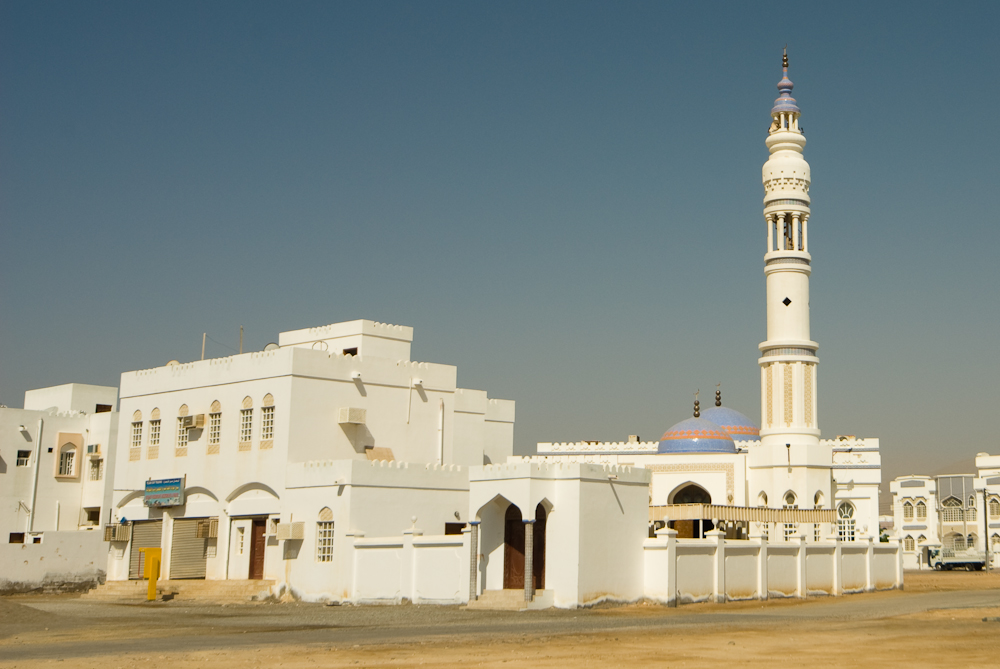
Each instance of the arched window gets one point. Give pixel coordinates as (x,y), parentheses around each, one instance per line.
(324,535)
(788,531)
(845,521)
(267,421)
(951,511)
(154,427)
(907,511)
(67,460)
(182,433)
(818,499)
(762,498)
(995,508)
(921,539)
(908,544)
(215,425)
(137,430)
(970,541)
(995,542)
(246,424)
(921,510)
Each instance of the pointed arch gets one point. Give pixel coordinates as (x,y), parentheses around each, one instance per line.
(183,411)
(689,493)
(247,402)
(154,414)
(268,400)
(325,514)
(216,407)
(137,416)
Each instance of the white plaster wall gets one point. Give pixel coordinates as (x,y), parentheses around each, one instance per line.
(441,569)
(854,563)
(782,570)
(742,559)
(695,567)
(70,397)
(820,561)
(64,561)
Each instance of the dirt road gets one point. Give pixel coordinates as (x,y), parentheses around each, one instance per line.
(939,615)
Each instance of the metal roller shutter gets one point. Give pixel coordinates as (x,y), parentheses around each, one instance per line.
(187,551)
(144,535)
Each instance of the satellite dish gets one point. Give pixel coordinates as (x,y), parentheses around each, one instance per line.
(173,363)
(271,347)
(320,346)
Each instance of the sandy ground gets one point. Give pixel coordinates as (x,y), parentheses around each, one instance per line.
(916,628)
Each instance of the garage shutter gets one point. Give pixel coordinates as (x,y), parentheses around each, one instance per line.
(144,535)
(187,552)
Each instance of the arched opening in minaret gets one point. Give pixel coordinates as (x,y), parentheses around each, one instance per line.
(691,493)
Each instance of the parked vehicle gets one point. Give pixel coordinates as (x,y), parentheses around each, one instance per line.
(949,559)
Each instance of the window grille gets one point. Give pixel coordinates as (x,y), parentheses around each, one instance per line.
(66,462)
(907,511)
(816,532)
(845,522)
(214,427)
(994,508)
(96,470)
(324,541)
(788,531)
(154,432)
(970,515)
(908,544)
(267,423)
(921,511)
(246,425)
(952,511)
(23,458)
(137,434)
(971,541)
(182,433)
(959,543)
(995,540)
(239,540)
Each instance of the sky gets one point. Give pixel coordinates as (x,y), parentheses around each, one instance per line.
(562,198)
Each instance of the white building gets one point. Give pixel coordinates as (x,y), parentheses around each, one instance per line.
(56,456)
(721,457)
(953,512)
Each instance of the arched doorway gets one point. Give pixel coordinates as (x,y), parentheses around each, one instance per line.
(691,529)
(538,550)
(513,553)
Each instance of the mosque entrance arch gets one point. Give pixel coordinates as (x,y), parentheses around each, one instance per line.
(691,493)
(513,552)
(538,549)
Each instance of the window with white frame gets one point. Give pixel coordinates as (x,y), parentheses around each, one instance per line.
(23,458)
(908,543)
(970,515)
(182,433)
(246,425)
(67,460)
(995,508)
(907,511)
(214,427)
(995,541)
(96,470)
(788,531)
(137,434)
(951,511)
(324,541)
(267,423)
(154,432)
(921,510)
(845,521)
(921,539)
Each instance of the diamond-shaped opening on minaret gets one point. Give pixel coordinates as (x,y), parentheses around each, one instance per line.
(786,301)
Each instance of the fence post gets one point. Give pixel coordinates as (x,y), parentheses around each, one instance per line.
(719,576)
(802,578)
(870,566)
(838,568)
(671,537)
(762,588)
(474,560)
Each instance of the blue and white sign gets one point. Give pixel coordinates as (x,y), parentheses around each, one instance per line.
(164,492)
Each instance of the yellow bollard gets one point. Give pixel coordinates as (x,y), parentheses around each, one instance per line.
(151,568)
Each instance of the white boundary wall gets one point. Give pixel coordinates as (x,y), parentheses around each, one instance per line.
(63,562)
(420,569)
(713,569)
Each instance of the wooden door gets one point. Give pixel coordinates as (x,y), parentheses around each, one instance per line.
(513,553)
(257,545)
(538,550)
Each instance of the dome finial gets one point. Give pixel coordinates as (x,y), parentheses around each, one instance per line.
(697,411)
(784,59)
(718,394)
(785,102)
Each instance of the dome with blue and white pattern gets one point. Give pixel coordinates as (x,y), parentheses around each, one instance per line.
(696,435)
(735,424)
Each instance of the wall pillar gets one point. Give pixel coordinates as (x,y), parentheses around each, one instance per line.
(529,559)
(762,589)
(870,566)
(898,544)
(801,582)
(719,574)
(474,560)
(838,568)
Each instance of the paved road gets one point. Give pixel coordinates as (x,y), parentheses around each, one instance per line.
(86,629)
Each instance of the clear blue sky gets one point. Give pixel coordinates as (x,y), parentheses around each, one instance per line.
(563,199)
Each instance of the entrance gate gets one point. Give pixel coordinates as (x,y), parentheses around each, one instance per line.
(513,553)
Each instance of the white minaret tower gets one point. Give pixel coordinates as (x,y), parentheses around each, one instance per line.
(789,468)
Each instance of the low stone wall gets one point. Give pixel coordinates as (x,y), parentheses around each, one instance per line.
(62,562)
(411,567)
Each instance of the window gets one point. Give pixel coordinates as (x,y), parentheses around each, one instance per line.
(246,425)
(96,470)
(908,544)
(959,543)
(970,515)
(995,541)
(351,351)
(845,522)
(789,528)
(239,539)
(970,541)
(921,511)
(324,541)
(102,408)
(952,511)
(453,528)
(214,427)
(23,458)
(154,429)
(921,539)
(67,458)
(93,515)
(137,434)
(182,433)
(907,511)
(16,538)
(267,423)
(994,503)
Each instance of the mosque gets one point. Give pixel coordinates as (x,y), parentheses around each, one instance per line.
(332,467)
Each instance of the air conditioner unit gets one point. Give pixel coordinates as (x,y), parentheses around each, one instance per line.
(118,532)
(352,416)
(196,422)
(208,528)
(291,531)
(93,449)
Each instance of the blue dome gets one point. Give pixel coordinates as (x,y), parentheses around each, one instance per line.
(738,426)
(696,435)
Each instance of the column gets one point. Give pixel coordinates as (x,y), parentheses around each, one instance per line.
(795,231)
(805,233)
(719,577)
(474,560)
(529,559)
(870,566)
(770,232)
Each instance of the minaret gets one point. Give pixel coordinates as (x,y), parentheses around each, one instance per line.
(789,459)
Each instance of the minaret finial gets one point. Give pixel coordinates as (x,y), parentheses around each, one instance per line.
(718,394)
(784,59)
(697,410)
(785,102)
